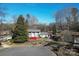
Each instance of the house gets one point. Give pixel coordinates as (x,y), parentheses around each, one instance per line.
(44,35)
(75,36)
(71,37)
(66,36)
(34,33)
(5,35)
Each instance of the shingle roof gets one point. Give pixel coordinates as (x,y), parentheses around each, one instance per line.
(33,30)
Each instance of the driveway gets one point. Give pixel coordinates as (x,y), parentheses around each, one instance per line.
(26,51)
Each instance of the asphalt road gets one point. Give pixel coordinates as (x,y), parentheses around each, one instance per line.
(26,51)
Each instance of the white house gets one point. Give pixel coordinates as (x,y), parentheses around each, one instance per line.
(37,33)
(5,35)
(34,32)
(44,35)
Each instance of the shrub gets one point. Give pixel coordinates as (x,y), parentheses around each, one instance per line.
(20,39)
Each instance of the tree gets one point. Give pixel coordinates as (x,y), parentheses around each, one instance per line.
(32,20)
(43,27)
(75,16)
(2,16)
(20,33)
(67,18)
(54,29)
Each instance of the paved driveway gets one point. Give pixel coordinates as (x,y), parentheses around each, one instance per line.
(26,51)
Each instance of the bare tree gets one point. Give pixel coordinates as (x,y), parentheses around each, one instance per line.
(2,16)
(66,17)
(32,21)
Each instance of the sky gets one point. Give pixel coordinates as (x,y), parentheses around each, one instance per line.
(44,12)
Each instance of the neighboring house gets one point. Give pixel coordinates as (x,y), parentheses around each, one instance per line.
(5,35)
(66,36)
(44,35)
(75,39)
(71,37)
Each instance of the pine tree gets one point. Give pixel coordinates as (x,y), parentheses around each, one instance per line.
(20,33)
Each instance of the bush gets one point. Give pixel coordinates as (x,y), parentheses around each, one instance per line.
(20,39)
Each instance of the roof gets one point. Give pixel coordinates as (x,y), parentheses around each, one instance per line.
(46,33)
(75,33)
(34,30)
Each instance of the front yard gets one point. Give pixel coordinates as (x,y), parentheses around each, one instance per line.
(29,43)
(60,48)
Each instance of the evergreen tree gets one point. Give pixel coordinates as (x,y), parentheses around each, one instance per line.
(20,33)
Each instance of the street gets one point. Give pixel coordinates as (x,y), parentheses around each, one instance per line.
(26,51)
